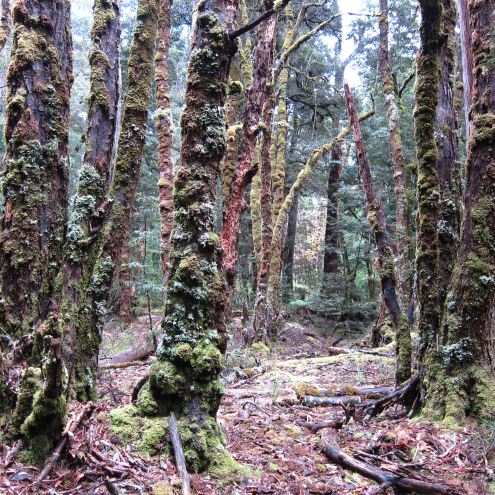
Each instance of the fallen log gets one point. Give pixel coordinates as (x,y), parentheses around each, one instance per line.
(127,364)
(69,430)
(335,351)
(312,401)
(179,455)
(337,456)
(315,427)
(129,355)
(302,389)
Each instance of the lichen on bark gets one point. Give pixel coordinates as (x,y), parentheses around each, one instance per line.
(185,378)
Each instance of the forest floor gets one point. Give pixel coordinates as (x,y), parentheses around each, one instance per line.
(265,425)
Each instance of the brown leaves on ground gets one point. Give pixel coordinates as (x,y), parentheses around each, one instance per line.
(263,421)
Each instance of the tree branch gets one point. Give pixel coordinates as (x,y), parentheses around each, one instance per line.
(244,29)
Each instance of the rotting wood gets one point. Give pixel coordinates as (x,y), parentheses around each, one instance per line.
(179,455)
(129,355)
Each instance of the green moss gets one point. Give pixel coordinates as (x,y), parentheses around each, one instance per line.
(147,435)
(165,378)
(261,348)
(206,361)
(30,384)
(146,404)
(103,16)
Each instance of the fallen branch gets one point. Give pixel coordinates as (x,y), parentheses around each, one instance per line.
(127,364)
(111,487)
(69,430)
(315,427)
(407,395)
(371,392)
(312,401)
(179,455)
(337,456)
(9,459)
(335,351)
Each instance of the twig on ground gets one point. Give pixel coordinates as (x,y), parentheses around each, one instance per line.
(9,459)
(179,455)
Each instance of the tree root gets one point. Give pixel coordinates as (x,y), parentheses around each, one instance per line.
(385,478)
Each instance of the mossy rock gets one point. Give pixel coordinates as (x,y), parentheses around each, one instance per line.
(260,348)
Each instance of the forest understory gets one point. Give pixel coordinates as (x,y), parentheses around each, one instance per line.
(277,438)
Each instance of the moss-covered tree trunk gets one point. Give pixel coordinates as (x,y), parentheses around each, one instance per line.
(164,127)
(125,284)
(185,378)
(447,137)
(32,228)
(386,262)
(459,379)
(289,251)
(428,187)
(395,143)
(88,305)
(256,96)
(5,24)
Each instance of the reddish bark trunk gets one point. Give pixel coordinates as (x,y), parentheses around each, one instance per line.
(257,95)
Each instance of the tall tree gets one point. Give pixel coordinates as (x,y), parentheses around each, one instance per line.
(94,251)
(447,136)
(5,24)
(459,378)
(428,188)
(185,378)
(467,63)
(164,126)
(376,217)
(35,187)
(395,142)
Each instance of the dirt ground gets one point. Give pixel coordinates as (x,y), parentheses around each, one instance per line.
(266,428)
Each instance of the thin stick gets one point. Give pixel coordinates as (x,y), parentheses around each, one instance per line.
(9,459)
(72,425)
(179,455)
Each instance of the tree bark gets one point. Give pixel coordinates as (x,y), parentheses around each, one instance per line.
(467,63)
(289,250)
(449,173)
(428,187)
(35,187)
(376,217)
(395,142)
(185,378)
(94,255)
(459,379)
(257,95)
(164,126)
(5,24)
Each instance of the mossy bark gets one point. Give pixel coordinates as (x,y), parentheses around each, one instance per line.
(257,94)
(5,24)
(164,127)
(96,259)
(428,187)
(449,169)
(386,262)
(459,380)
(467,63)
(35,187)
(185,378)
(395,142)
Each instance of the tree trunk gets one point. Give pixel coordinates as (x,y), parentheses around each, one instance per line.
(467,63)
(459,377)
(125,284)
(256,97)
(185,378)
(5,24)
(164,126)
(376,217)
(94,255)
(35,186)
(428,187)
(449,173)
(395,142)
(261,324)
(289,250)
